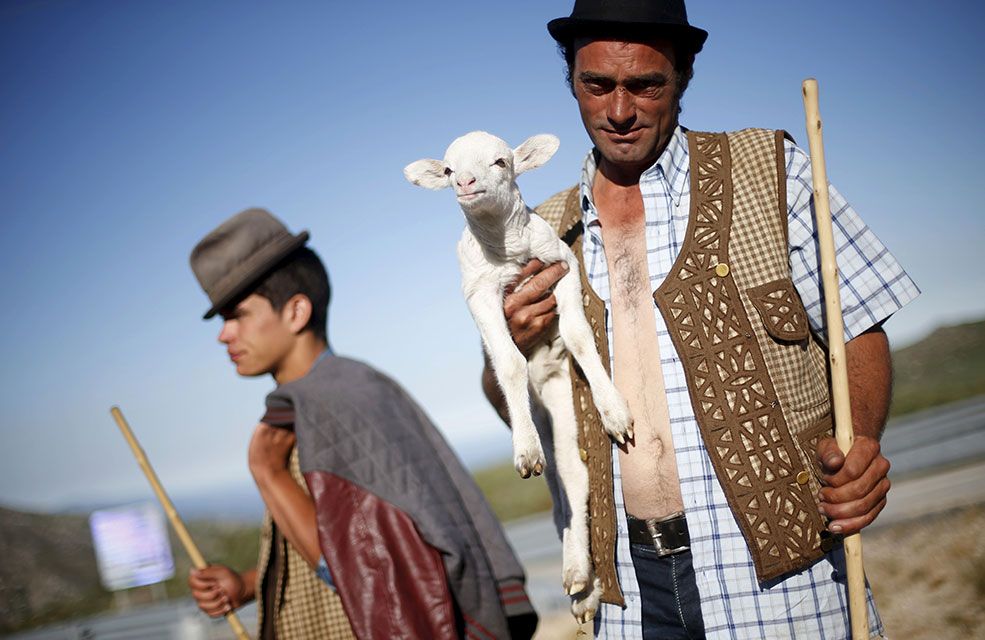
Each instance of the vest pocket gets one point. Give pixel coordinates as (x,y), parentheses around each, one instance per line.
(781,310)
(797,363)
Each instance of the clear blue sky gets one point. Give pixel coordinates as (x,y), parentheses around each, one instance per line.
(129,129)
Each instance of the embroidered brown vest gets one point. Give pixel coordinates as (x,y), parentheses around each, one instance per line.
(303,606)
(757,377)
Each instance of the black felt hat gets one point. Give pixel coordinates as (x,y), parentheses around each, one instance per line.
(237,253)
(667,18)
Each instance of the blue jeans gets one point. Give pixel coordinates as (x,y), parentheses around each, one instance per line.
(671,605)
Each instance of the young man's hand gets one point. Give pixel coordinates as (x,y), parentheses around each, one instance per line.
(270,450)
(217,589)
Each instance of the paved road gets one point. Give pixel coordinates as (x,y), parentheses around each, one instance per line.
(938,461)
(937,437)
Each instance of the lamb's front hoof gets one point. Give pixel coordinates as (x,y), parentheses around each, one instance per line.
(585,603)
(576,574)
(531,463)
(617,421)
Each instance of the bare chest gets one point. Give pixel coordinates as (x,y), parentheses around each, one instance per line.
(650,483)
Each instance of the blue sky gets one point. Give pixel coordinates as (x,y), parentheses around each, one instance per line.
(129,129)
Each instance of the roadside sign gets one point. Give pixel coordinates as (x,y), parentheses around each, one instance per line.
(132,547)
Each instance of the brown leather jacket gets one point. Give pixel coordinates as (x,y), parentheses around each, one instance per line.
(391,582)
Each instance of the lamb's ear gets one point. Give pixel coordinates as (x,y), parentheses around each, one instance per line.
(534,151)
(427,173)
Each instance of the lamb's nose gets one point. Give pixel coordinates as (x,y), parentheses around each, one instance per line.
(465,180)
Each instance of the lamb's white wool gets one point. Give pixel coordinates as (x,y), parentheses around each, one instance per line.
(502,235)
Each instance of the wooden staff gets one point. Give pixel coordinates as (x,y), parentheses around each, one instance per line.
(179,526)
(844,432)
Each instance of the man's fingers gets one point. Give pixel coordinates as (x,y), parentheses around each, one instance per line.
(526,316)
(528,270)
(829,456)
(842,487)
(531,333)
(854,525)
(854,500)
(212,602)
(220,609)
(864,458)
(203,579)
(200,583)
(534,288)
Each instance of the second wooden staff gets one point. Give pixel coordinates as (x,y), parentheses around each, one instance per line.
(179,527)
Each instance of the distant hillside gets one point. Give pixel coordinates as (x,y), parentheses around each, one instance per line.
(48,568)
(947,365)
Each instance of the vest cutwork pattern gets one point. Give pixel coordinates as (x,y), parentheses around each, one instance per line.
(593,439)
(735,402)
(781,310)
(563,212)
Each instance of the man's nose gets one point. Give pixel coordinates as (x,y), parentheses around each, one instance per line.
(226,334)
(622,109)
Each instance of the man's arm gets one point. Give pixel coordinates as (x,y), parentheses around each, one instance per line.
(530,310)
(291,508)
(857,484)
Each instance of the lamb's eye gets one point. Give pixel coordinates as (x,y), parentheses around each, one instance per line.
(447,171)
(500,163)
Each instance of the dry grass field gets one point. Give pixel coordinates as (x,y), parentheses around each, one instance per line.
(928,575)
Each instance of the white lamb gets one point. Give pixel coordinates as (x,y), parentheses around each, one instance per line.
(502,235)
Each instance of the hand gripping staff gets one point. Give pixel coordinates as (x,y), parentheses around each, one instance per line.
(844,433)
(179,526)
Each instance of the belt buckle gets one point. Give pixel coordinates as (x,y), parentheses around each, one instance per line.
(653,527)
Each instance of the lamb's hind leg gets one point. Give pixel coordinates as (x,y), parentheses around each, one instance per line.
(510,368)
(578,339)
(577,576)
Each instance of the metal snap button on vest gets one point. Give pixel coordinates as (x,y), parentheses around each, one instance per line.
(803,477)
(722,269)
(583,454)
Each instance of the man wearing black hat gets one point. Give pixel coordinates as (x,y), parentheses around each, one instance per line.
(371,500)
(722,518)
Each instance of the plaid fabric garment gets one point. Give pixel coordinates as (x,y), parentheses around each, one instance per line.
(873,286)
(304,606)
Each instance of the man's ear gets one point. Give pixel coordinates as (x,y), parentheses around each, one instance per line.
(427,173)
(297,312)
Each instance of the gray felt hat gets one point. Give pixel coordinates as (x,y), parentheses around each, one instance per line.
(240,251)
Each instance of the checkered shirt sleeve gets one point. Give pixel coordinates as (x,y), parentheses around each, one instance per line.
(812,603)
(872,284)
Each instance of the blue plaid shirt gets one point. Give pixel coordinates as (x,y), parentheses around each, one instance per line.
(812,603)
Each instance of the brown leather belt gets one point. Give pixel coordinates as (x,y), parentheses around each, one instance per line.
(667,535)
